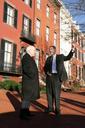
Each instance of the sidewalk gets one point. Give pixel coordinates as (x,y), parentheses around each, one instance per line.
(72,112)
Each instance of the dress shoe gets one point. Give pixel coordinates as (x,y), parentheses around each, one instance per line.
(57,112)
(29,113)
(23,114)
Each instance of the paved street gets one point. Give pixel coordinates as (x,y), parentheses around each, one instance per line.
(72,112)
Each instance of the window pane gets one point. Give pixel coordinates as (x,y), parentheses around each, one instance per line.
(10,16)
(47,33)
(26,25)
(47,11)
(25,21)
(38,4)
(38,27)
(8,53)
(27,2)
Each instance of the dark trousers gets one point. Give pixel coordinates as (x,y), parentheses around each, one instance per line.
(53,89)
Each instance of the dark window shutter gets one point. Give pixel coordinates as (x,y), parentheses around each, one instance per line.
(14,56)
(30,26)
(30,3)
(2,53)
(15,18)
(5,12)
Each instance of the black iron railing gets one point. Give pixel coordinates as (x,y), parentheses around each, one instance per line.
(10,70)
(27,37)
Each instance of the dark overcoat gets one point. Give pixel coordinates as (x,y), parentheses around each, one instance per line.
(30,80)
(59,65)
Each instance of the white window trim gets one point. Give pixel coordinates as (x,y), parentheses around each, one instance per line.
(27,2)
(47,33)
(38,4)
(47,11)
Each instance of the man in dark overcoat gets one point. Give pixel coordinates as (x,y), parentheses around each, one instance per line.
(55,75)
(30,81)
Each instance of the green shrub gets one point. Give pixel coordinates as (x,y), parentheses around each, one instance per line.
(43,89)
(10,85)
(76,85)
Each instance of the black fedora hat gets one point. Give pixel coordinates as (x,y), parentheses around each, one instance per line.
(30,39)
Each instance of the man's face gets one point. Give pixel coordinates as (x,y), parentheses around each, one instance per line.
(52,51)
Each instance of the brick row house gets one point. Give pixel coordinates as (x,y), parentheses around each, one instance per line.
(65,36)
(16,19)
(70,33)
(78,61)
(47,28)
(22,22)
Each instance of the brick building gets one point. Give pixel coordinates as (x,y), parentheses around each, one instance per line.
(16,19)
(78,62)
(22,22)
(46,28)
(69,33)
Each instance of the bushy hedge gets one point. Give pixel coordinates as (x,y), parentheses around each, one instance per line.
(43,89)
(76,85)
(10,85)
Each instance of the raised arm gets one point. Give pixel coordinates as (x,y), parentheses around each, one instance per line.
(69,56)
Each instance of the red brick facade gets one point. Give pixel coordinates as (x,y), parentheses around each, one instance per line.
(41,42)
(77,64)
(14,17)
(9,32)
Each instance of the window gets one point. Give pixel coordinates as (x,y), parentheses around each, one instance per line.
(26,25)
(8,55)
(47,11)
(75,52)
(37,27)
(55,39)
(38,4)
(28,2)
(37,57)
(81,56)
(47,33)
(10,15)
(55,18)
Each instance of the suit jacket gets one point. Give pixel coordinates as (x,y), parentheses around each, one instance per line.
(30,80)
(59,65)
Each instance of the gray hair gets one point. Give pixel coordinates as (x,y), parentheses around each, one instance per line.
(22,52)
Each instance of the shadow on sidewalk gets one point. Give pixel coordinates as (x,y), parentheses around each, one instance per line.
(40,120)
(16,103)
(81,93)
(74,102)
